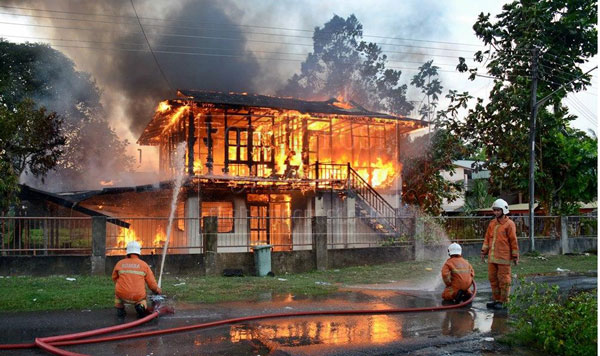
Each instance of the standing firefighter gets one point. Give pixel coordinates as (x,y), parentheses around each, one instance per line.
(130,276)
(500,246)
(457,274)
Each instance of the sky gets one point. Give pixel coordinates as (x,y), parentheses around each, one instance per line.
(410,32)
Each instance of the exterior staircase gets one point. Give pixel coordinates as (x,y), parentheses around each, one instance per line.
(371,207)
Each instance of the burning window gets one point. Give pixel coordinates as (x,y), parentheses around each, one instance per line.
(181,216)
(223,210)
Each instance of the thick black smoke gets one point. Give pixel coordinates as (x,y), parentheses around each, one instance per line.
(129,79)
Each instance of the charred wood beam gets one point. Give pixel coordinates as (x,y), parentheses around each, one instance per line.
(191,141)
(208,141)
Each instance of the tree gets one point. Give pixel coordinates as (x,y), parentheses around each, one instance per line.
(30,141)
(477,196)
(423,161)
(430,86)
(49,78)
(564,34)
(342,64)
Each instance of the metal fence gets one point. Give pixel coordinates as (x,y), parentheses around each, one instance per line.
(473,228)
(582,226)
(151,233)
(62,236)
(45,236)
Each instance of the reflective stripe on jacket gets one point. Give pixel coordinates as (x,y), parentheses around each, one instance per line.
(130,276)
(457,273)
(500,242)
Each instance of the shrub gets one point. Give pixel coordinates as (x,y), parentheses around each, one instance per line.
(554,322)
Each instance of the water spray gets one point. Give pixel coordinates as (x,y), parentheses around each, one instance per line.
(179,173)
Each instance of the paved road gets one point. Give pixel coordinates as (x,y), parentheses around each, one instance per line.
(467,331)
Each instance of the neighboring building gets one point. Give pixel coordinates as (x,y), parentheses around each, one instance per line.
(465,171)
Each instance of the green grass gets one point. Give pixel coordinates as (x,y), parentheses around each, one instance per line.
(87,292)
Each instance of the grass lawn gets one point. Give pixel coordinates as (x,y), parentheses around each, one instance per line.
(86,292)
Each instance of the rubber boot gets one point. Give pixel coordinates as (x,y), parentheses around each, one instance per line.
(460,296)
(141,310)
(491,305)
(121,312)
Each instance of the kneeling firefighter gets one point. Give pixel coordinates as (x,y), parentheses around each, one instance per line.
(457,274)
(131,275)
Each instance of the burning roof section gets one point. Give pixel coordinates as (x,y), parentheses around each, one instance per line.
(331,107)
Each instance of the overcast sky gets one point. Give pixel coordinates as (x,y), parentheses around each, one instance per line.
(436,30)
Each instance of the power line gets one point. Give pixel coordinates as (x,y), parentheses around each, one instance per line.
(209,48)
(390,59)
(150,48)
(213,23)
(219,55)
(223,38)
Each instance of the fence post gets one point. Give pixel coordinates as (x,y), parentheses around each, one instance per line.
(319,237)
(209,236)
(564,235)
(98,258)
(419,237)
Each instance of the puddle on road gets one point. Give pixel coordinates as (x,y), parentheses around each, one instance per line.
(328,334)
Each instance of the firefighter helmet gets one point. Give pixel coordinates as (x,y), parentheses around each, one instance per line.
(454,249)
(501,204)
(134,247)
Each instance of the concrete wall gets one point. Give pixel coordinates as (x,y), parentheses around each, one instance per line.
(44,265)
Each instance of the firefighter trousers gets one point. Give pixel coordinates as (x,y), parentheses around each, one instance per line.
(499,276)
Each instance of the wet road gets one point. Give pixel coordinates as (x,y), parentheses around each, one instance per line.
(466,331)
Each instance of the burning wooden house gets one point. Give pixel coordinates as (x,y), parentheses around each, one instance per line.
(265,165)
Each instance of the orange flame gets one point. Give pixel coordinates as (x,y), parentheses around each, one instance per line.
(159,239)
(123,238)
(175,117)
(163,107)
(342,104)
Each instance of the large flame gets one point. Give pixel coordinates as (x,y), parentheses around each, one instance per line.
(159,239)
(291,139)
(123,238)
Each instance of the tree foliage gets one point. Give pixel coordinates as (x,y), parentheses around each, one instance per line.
(343,64)
(30,140)
(565,36)
(431,87)
(50,79)
(424,158)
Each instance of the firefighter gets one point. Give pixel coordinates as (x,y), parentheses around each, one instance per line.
(457,274)
(501,248)
(130,276)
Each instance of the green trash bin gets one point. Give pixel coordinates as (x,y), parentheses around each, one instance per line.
(262,259)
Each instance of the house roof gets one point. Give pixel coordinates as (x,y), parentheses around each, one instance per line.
(513,208)
(464,163)
(243,100)
(66,201)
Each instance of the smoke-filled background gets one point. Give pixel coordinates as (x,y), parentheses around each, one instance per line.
(238,46)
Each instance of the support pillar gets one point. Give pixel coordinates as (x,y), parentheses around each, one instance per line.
(319,243)
(418,239)
(98,258)
(209,235)
(564,235)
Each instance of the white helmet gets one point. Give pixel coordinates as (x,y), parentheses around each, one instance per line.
(501,204)
(454,249)
(134,247)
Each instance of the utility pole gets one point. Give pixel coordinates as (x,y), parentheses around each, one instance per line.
(534,108)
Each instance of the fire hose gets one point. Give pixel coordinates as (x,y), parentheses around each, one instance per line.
(51,344)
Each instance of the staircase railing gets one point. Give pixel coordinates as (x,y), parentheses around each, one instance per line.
(378,207)
(385,212)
